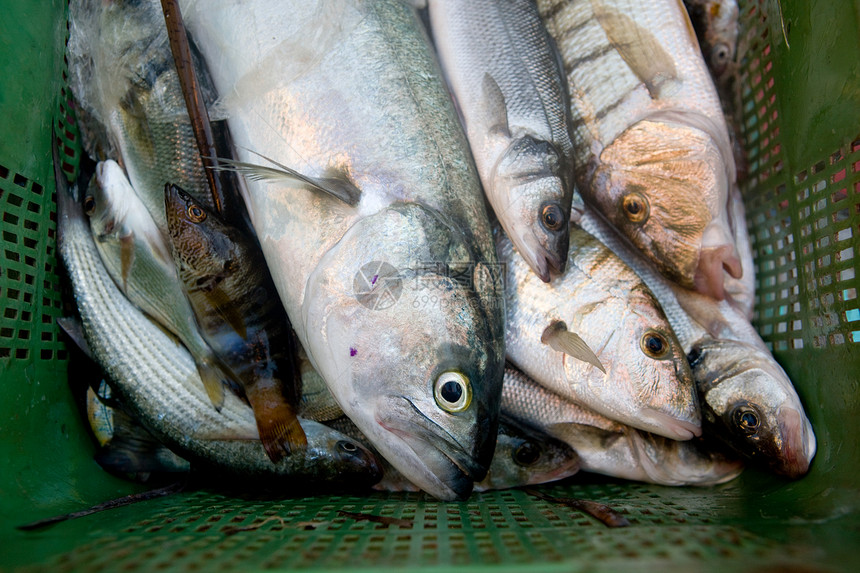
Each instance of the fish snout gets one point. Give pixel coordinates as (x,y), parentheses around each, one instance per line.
(713,261)
(798,444)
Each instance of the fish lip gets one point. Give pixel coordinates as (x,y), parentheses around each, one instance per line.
(671,426)
(418,430)
(545,264)
(799,447)
(713,261)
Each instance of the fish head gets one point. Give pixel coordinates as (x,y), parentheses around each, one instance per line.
(664,186)
(670,462)
(525,457)
(336,455)
(401,324)
(202,244)
(750,405)
(531,197)
(649,357)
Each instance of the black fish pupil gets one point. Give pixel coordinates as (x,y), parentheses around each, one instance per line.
(551,217)
(348,447)
(749,420)
(451,392)
(634,207)
(654,344)
(527,454)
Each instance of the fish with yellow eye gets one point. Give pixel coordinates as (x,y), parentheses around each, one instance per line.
(240,315)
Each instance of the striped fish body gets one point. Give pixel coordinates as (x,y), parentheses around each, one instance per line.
(651,145)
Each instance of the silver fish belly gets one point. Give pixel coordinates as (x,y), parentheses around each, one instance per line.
(395,295)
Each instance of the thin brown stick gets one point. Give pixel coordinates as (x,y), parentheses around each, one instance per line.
(110,504)
(599,511)
(193,98)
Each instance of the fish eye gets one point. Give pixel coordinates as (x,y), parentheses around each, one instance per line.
(720,55)
(654,345)
(347,447)
(635,207)
(746,419)
(527,454)
(551,217)
(196,214)
(89,204)
(453,392)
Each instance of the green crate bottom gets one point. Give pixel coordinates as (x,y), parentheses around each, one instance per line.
(676,529)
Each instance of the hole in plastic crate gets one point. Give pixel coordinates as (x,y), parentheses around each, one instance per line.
(849,294)
(837,338)
(845,274)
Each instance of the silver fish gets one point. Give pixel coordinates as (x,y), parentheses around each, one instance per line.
(138,259)
(645,381)
(123,77)
(747,399)
(651,145)
(156,379)
(508,82)
(387,204)
(610,448)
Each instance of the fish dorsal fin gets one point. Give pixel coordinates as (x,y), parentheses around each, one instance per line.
(559,338)
(494,112)
(337,186)
(651,63)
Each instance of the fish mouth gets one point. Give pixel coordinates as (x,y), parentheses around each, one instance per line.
(671,427)
(544,263)
(798,447)
(709,278)
(566,469)
(440,465)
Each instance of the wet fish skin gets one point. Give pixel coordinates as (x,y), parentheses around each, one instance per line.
(365,104)
(716,25)
(507,79)
(156,378)
(123,77)
(651,145)
(610,448)
(138,259)
(604,302)
(735,373)
(225,277)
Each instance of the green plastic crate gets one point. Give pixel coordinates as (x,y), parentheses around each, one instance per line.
(801,104)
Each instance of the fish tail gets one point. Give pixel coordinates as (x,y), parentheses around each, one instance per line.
(280,431)
(212,376)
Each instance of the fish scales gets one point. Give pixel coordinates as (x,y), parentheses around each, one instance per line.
(602,300)
(364,103)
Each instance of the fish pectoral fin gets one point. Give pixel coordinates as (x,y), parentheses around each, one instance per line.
(559,338)
(126,257)
(75,330)
(212,376)
(494,111)
(639,49)
(281,435)
(337,186)
(227,309)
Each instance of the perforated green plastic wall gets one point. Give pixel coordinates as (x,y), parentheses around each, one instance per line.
(801,129)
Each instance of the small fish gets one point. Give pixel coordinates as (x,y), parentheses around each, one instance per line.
(651,146)
(634,371)
(747,399)
(507,79)
(608,447)
(526,457)
(227,283)
(716,25)
(156,379)
(138,258)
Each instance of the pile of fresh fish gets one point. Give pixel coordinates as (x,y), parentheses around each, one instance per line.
(464,245)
